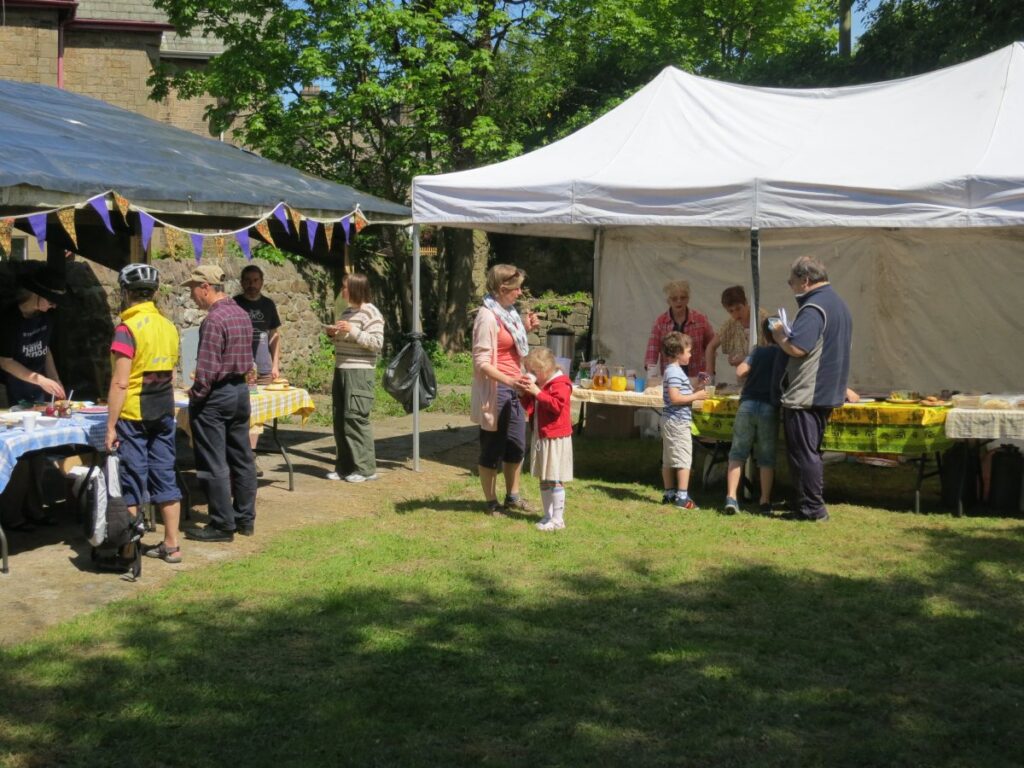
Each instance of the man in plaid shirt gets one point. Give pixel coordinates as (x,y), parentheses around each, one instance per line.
(685,320)
(219,410)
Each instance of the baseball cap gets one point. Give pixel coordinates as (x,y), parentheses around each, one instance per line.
(205,273)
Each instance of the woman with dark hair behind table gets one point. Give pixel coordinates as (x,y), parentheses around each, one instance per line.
(29,374)
(499,345)
(358,339)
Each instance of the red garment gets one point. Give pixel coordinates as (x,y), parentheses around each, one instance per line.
(696,326)
(554,414)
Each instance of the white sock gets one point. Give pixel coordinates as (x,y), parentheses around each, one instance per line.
(682,495)
(558,506)
(547,502)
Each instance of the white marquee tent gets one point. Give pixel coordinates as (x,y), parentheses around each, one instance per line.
(912,191)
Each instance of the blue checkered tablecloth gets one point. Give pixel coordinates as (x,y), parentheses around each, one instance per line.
(78,430)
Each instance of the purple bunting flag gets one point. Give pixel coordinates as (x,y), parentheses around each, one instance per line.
(243,243)
(197,245)
(311,229)
(38,224)
(147,223)
(346,224)
(282,215)
(99,204)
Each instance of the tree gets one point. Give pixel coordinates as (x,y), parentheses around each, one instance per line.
(910,37)
(370,93)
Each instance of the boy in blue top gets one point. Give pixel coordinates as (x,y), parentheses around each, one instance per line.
(757,422)
(678,395)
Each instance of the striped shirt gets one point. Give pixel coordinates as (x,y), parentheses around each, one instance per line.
(360,347)
(225,347)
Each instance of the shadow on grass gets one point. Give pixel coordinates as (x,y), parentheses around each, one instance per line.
(747,666)
(471,506)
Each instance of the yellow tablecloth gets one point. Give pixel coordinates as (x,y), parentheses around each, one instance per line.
(266,406)
(652,398)
(854,428)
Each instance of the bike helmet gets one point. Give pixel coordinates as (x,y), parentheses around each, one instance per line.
(139,277)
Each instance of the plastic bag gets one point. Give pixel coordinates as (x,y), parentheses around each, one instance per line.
(411,362)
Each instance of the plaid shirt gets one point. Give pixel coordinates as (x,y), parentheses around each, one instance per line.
(225,347)
(696,326)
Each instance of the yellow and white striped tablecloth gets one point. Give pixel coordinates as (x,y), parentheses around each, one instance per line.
(266,406)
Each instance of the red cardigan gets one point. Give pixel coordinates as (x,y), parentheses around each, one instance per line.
(554,414)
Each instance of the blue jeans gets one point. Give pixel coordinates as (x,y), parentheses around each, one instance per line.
(756,426)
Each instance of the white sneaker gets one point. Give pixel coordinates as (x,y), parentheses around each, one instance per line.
(550,525)
(333,476)
(355,477)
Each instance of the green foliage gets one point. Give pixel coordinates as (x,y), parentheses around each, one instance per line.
(562,304)
(315,373)
(910,37)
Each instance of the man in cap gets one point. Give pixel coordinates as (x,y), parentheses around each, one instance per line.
(219,410)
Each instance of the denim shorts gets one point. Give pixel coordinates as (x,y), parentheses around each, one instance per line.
(508,442)
(147,457)
(756,426)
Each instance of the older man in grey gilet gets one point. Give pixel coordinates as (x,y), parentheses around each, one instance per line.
(814,382)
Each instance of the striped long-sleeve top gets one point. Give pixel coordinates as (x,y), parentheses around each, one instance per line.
(360,347)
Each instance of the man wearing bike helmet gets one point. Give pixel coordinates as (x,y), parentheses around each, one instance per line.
(140,421)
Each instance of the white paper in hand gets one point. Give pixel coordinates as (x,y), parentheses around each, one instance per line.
(785,322)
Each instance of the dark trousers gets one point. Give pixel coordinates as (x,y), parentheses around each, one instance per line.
(224,462)
(352,398)
(805,430)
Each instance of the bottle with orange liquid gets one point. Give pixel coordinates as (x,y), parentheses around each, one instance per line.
(600,376)
(618,378)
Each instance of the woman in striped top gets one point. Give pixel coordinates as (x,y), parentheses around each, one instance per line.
(358,339)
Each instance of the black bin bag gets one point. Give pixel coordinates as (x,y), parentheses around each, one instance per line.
(410,363)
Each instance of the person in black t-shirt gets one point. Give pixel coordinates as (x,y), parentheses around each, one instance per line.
(29,372)
(266,341)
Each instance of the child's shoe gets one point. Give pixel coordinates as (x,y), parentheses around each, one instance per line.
(668,497)
(685,503)
(550,525)
(732,506)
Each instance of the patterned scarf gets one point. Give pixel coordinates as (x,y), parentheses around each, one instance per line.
(512,322)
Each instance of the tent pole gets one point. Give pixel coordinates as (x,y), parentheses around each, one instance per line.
(416,329)
(755,274)
(595,314)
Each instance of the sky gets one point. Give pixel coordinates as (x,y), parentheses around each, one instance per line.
(860,17)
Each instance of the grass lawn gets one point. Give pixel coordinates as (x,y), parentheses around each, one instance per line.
(425,633)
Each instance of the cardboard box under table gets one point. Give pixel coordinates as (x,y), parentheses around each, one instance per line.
(604,413)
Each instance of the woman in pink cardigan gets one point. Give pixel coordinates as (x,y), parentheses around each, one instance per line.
(499,345)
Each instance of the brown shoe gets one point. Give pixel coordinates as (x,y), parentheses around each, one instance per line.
(494,509)
(517,504)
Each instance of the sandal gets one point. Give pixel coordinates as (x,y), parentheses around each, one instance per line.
(162,552)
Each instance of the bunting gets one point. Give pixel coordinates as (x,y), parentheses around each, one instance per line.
(242,236)
(360,220)
(263,229)
(280,215)
(122,205)
(99,204)
(197,245)
(67,220)
(290,219)
(38,223)
(6,228)
(311,227)
(296,218)
(147,223)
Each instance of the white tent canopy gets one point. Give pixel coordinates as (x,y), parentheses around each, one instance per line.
(912,191)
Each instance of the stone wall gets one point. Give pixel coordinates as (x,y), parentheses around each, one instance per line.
(563,312)
(85,321)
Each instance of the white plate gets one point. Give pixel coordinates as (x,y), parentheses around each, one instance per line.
(46,421)
(10,418)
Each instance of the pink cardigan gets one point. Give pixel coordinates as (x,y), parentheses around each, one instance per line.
(484,401)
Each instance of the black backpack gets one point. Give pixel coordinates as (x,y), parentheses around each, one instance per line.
(1007,472)
(115,534)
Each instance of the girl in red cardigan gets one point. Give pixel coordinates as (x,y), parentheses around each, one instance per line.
(551,459)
